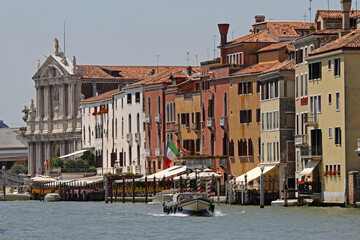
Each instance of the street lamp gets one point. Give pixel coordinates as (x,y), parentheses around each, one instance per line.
(262,167)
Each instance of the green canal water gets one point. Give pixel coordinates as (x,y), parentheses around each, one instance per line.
(97,220)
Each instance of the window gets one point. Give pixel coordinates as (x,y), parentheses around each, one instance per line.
(311,105)
(337,99)
(297,87)
(258,115)
(242,88)
(257,87)
(337,67)
(306,52)
(278,151)
(250,90)
(299,56)
(262,121)
(129,98)
(329,98)
(306,84)
(337,136)
(137,97)
(243,116)
(262,152)
(329,64)
(330,132)
(301,85)
(315,71)
(319,103)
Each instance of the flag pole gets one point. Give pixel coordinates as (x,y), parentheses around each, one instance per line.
(165,153)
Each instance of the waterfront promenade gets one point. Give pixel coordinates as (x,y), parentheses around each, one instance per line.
(96,220)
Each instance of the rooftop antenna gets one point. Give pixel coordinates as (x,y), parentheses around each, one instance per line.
(187,58)
(208,50)
(64,38)
(304,16)
(328,5)
(310,9)
(197,61)
(157,63)
(232,34)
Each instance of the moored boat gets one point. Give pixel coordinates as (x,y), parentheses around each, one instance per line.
(52,197)
(189,203)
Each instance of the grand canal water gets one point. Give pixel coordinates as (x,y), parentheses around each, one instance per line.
(93,220)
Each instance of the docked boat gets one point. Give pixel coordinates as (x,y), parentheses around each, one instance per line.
(15,196)
(189,203)
(52,197)
(163,196)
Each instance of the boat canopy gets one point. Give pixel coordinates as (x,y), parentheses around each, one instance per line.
(309,168)
(74,153)
(254,173)
(204,174)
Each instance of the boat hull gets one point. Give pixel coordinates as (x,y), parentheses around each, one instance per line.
(15,197)
(195,206)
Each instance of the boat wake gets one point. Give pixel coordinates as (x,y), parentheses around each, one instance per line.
(218,213)
(167,215)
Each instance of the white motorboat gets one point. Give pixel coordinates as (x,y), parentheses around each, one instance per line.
(15,196)
(163,196)
(189,203)
(52,197)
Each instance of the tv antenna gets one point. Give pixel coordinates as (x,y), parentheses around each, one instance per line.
(214,46)
(310,9)
(197,61)
(187,58)
(157,63)
(64,38)
(304,16)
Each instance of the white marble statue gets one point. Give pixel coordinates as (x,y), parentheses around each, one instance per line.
(56,45)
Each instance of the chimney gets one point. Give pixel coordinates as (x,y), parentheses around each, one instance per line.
(223,29)
(345,10)
(189,71)
(259,18)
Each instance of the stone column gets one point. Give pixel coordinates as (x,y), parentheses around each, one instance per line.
(37,103)
(94,89)
(38,158)
(30,158)
(62,148)
(46,102)
(70,100)
(62,101)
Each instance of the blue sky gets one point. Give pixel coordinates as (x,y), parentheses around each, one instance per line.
(117,32)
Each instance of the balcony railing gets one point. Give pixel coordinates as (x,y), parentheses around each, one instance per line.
(157,117)
(223,121)
(309,188)
(157,152)
(147,119)
(196,126)
(314,152)
(137,137)
(176,128)
(210,122)
(147,152)
(129,137)
(301,140)
(310,120)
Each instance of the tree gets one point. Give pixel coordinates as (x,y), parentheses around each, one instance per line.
(18,168)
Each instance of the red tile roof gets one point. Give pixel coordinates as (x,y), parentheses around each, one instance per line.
(349,41)
(257,68)
(274,46)
(100,97)
(288,29)
(252,38)
(118,72)
(335,14)
(282,66)
(290,48)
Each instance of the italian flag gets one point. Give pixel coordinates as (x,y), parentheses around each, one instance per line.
(171,153)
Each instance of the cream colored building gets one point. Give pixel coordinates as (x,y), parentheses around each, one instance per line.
(333,93)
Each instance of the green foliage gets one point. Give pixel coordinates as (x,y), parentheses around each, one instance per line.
(56,162)
(82,163)
(18,168)
(26,111)
(129,174)
(312,27)
(92,169)
(70,163)
(89,157)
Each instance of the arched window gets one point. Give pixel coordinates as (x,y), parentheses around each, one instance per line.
(225,104)
(129,123)
(149,105)
(167,112)
(138,123)
(203,112)
(173,112)
(158,104)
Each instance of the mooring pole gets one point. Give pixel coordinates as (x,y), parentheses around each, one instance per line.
(111,189)
(262,187)
(4,191)
(226,192)
(218,192)
(242,193)
(106,189)
(180,184)
(154,184)
(123,190)
(133,189)
(146,190)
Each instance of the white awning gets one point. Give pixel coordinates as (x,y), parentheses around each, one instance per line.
(254,173)
(309,168)
(74,153)
(205,174)
(169,172)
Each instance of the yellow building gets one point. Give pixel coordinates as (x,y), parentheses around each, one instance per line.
(334,113)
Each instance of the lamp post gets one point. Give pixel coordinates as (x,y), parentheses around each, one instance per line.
(262,186)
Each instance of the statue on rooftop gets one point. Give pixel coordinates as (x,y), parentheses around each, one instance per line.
(74,61)
(32,105)
(38,65)
(56,45)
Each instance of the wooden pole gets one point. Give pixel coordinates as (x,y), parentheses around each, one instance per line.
(111,189)
(116,191)
(123,190)
(106,188)
(4,191)
(154,184)
(146,190)
(218,192)
(180,184)
(133,189)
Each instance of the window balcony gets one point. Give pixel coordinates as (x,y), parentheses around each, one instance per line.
(137,137)
(157,152)
(310,120)
(312,152)
(157,117)
(210,123)
(301,140)
(176,128)
(223,122)
(196,127)
(147,152)
(129,137)
(147,119)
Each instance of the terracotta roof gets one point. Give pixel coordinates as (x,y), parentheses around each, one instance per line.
(290,48)
(253,38)
(288,29)
(257,68)
(335,14)
(117,72)
(350,41)
(327,31)
(282,66)
(103,96)
(274,46)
